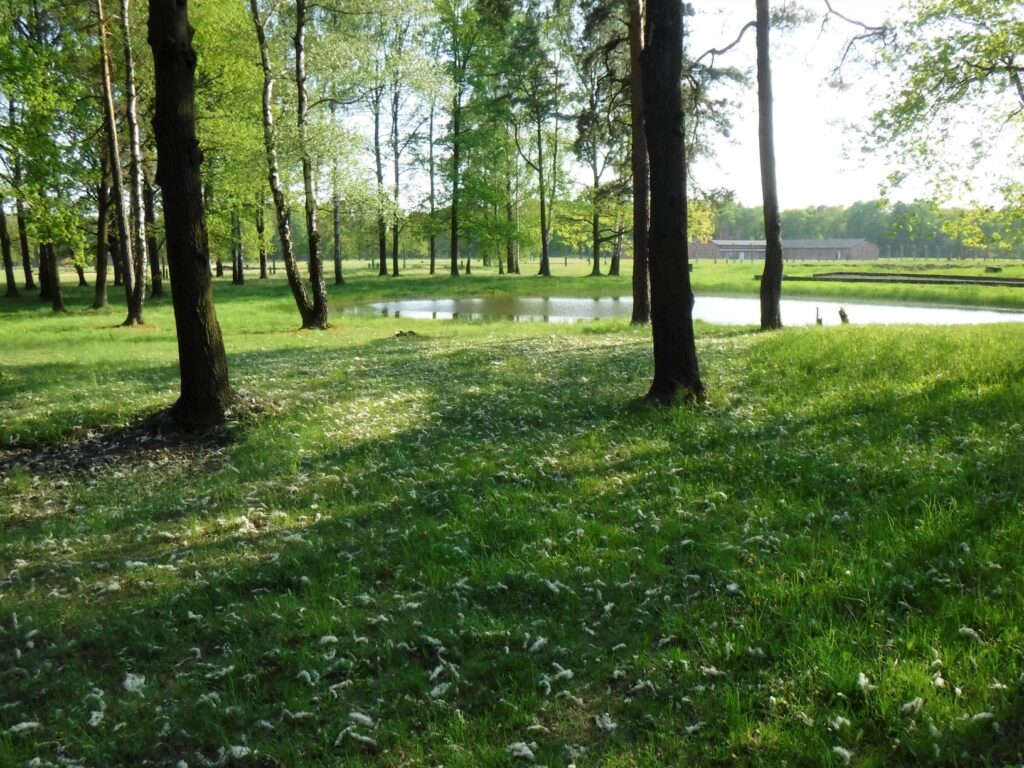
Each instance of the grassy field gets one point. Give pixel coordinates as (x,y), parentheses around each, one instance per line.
(472,546)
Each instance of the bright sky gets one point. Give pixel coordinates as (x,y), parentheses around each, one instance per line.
(819,160)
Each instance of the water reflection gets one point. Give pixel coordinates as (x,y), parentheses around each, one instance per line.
(721,310)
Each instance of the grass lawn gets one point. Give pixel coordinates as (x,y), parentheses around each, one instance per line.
(472,546)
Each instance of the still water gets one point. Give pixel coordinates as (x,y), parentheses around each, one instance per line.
(723,310)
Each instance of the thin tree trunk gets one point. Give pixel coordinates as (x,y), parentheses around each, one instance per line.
(19,215)
(124,228)
(205,390)
(45,283)
(675,353)
(378,156)
(284,229)
(316,270)
(261,238)
(613,266)
(80,271)
(595,226)
(640,168)
(102,234)
(771,277)
(114,246)
(152,247)
(138,296)
(456,179)
(49,253)
(395,149)
(545,262)
(238,251)
(5,247)
(433,237)
(339,279)
(510,245)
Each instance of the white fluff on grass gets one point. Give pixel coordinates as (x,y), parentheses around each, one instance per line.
(970,633)
(843,754)
(912,706)
(28,725)
(839,723)
(692,729)
(362,719)
(538,645)
(864,682)
(133,683)
(605,723)
(521,750)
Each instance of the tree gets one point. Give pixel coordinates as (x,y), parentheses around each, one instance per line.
(640,168)
(771,277)
(953,63)
(676,369)
(5,246)
(205,391)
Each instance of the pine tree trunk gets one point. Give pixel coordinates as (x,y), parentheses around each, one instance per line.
(205,391)
(284,229)
(395,151)
(771,277)
(124,229)
(316,270)
(5,247)
(433,238)
(640,168)
(545,261)
(152,248)
(99,300)
(138,297)
(675,353)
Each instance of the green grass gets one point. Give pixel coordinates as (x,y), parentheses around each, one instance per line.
(411,516)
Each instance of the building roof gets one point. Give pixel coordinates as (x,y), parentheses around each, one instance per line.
(793,244)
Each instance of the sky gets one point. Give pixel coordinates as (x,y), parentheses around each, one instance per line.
(818,157)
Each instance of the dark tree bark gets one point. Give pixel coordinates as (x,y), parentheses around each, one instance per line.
(339,279)
(99,299)
(205,390)
(26,254)
(641,172)
(218,267)
(283,215)
(48,254)
(82,282)
(152,247)
(261,237)
(316,267)
(771,277)
(613,266)
(595,237)
(431,163)
(237,250)
(124,228)
(5,247)
(456,178)
(45,284)
(378,155)
(114,245)
(675,353)
(396,102)
(545,261)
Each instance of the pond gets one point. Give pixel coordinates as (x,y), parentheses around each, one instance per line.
(722,310)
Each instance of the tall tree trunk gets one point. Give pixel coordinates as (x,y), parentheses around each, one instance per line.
(433,237)
(238,250)
(114,246)
(205,391)
(5,247)
(595,224)
(339,279)
(675,352)
(152,247)
(80,271)
(771,277)
(396,94)
(45,283)
(124,228)
(284,229)
(545,262)
(378,156)
(613,266)
(138,296)
(261,238)
(99,299)
(456,178)
(510,244)
(640,168)
(49,253)
(316,268)
(19,216)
